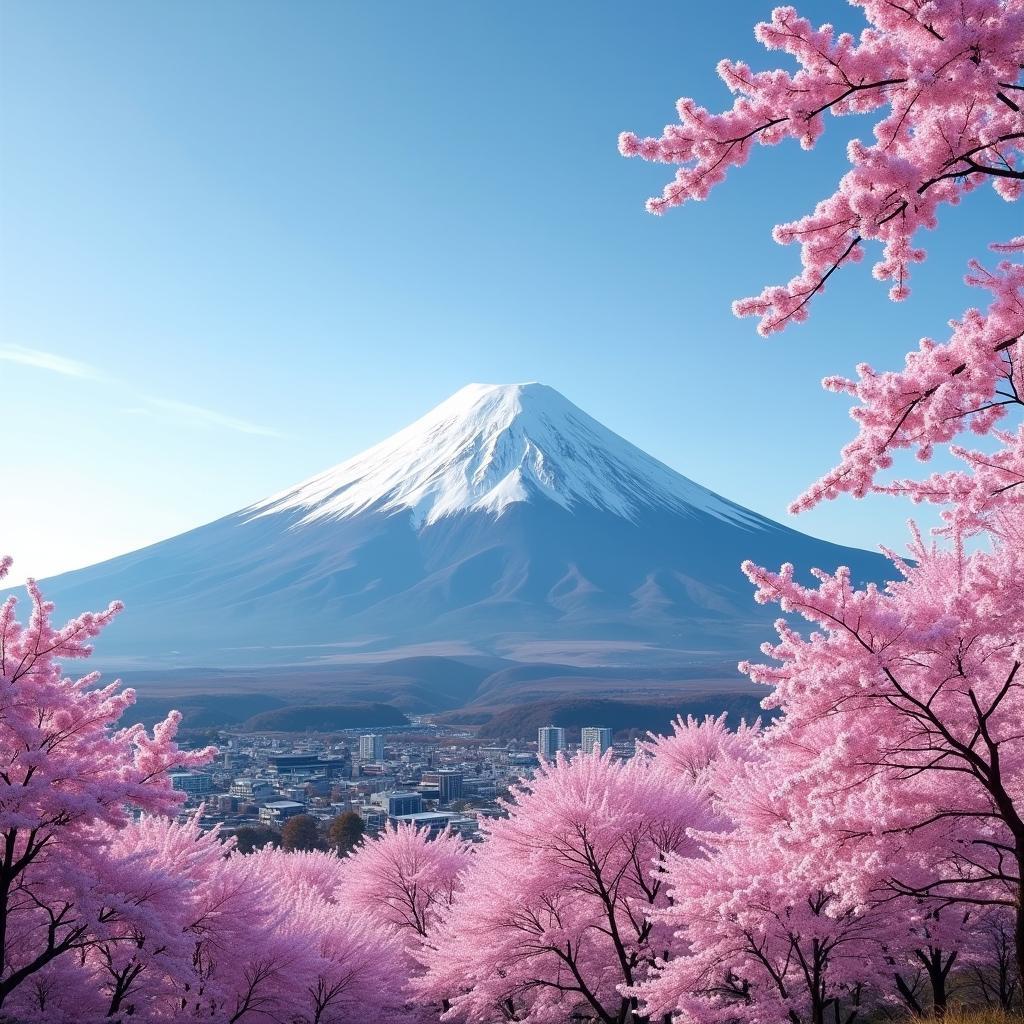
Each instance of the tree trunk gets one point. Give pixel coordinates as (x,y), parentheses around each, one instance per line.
(938,972)
(1018,926)
(5,886)
(913,1004)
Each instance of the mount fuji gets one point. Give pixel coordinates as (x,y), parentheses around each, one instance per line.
(506,524)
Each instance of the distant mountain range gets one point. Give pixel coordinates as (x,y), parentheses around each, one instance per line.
(505,527)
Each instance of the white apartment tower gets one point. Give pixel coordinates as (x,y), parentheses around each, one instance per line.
(371,747)
(550,739)
(594,736)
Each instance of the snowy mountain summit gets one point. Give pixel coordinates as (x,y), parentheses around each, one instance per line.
(490,446)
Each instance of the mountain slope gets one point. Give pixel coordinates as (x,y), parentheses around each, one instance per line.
(505,523)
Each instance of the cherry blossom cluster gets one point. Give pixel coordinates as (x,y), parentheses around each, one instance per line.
(112,910)
(875,839)
(68,777)
(968,383)
(405,881)
(559,915)
(822,865)
(945,80)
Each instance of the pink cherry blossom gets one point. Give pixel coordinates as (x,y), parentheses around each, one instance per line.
(943,79)
(69,776)
(695,746)
(968,383)
(404,877)
(557,918)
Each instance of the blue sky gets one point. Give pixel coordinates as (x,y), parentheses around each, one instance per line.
(240,242)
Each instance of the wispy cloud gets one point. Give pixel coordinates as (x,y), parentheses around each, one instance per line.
(40,360)
(208,417)
(185,412)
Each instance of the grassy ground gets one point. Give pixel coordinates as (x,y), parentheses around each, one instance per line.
(981,1017)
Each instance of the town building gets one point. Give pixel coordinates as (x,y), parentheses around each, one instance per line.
(399,803)
(251,790)
(592,736)
(371,747)
(286,763)
(550,739)
(374,818)
(278,811)
(192,783)
(447,782)
(434,821)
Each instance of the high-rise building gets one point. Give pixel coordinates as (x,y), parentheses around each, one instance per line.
(371,747)
(592,736)
(550,739)
(448,782)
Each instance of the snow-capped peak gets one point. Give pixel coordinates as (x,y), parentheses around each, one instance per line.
(489,446)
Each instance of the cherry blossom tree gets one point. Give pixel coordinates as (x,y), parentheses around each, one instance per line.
(557,917)
(405,878)
(899,738)
(695,746)
(358,969)
(968,383)
(765,941)
(316,959)
(146,955)
(993,974)
(231,924)
(938,942)
(945,78)
(215,935)
(788,917)
(106,914)
(68,779)
(925,678)
(762,929)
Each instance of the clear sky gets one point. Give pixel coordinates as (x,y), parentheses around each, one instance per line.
(242,241)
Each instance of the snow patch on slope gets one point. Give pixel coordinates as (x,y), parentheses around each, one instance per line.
(490,446)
